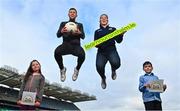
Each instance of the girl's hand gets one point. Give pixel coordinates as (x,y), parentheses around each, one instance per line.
(19,102)
(37,103)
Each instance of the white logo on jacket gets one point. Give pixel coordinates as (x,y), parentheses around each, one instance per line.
(110,28)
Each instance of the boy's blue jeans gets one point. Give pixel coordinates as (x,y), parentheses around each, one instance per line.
(103,57)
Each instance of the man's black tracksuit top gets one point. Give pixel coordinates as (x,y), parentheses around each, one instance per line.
(73,39)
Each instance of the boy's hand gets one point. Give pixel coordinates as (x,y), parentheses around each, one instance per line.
(37,103)
(164,87)
(63,30)
(147,85)
(19,102)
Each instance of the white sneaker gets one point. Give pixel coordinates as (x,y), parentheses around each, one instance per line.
(114,75)
(103,83)
(63,74)
(75,75)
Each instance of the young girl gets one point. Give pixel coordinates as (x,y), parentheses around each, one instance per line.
(33,82)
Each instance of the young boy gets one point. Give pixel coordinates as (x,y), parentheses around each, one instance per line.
(152,100)
(71,45)
(107,50)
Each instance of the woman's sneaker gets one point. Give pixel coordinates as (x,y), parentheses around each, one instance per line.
(103,83)
(63,74)
(114,75)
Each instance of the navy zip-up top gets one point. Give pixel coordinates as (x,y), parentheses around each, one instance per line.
(109,44)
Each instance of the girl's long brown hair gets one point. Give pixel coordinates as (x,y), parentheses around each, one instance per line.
(30,70)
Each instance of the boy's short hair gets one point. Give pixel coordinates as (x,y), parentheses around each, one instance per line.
(73,9)
(146,63)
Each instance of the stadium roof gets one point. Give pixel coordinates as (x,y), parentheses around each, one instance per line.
(10,77)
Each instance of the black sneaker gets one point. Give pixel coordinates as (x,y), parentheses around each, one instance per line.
(103,83)
(114,75)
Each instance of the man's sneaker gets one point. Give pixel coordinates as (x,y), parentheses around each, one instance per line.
(114,76)
(103,83)
(75,75)
(63,74)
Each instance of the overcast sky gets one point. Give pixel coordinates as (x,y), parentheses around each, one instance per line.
(28,31)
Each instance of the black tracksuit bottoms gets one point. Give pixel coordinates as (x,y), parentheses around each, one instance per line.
(67,48)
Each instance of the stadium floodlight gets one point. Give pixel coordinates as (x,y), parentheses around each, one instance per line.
(77,91)
(12,69)
(67,88)
(56,84)
(86,94)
